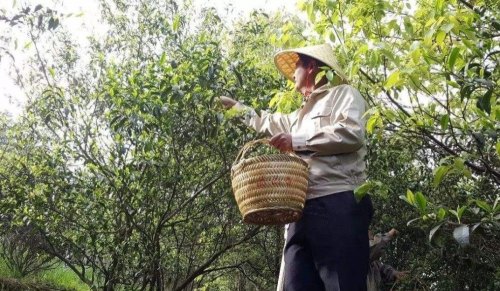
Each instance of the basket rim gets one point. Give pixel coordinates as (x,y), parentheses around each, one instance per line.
(246,161)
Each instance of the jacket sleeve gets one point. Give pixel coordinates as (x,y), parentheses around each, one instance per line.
(378,246)
(387,273)
(345,131)
(377,250)
(269,124)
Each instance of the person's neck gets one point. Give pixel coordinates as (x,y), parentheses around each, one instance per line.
(306,91)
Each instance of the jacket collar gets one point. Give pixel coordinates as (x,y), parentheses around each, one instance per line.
(317,93)
(321,89)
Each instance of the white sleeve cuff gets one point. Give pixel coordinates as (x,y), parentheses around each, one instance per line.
(299,142)
(239,106)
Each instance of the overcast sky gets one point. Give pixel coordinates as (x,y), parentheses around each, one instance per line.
(11,97)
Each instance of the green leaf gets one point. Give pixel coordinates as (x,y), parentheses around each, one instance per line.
(441,214)
(392,80)
(52,72)
(408,25)
(484,102)
(445,119)
(163,58)
(362,190)
(498,148)
(176,23)
(416,54)
(461,210)
(373,121)
(496,205)
(458,165)
(453,58)
(320,75)
(329,75)
(483,205)
(430,22)
(421,202)
(311,12)
(439,174)
(439,6)
(428,38)
(331,4)
(410,197)
(53,23)
(440,37)
(331,35)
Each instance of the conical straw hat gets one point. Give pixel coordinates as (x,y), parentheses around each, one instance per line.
(285,60)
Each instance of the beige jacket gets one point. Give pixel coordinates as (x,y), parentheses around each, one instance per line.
(328,132)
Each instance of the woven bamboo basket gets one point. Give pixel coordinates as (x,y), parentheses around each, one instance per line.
(269,189)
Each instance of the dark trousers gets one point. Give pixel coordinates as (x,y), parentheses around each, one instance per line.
(327,249)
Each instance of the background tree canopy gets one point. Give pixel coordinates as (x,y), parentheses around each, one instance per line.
(118,168)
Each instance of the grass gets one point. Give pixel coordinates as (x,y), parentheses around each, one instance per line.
(4,270)
(61,277)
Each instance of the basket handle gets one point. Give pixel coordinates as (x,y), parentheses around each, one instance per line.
(251,143)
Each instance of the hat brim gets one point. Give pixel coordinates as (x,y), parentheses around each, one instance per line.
(286,60)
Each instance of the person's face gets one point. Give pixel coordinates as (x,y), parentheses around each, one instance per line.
(300,76)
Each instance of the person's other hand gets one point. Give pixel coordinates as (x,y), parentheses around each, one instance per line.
(393,233)
(401,275)
(227,102)
(282,141)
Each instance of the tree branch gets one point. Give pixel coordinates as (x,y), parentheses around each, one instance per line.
(429,135)
(200,270)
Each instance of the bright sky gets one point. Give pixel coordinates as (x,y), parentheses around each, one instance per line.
(11,96)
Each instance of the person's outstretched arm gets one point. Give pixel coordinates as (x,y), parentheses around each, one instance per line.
(269,124)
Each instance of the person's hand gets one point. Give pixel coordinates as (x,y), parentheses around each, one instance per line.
(282,141)
(227,102)
(401,275)
(393,233)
